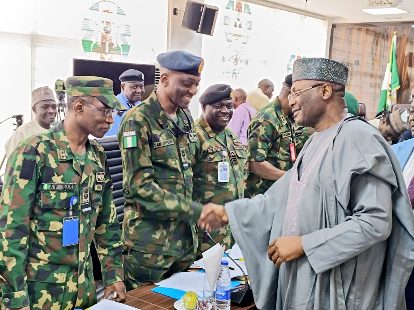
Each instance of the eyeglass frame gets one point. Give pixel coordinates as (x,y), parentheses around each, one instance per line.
(293,95)
(112,113)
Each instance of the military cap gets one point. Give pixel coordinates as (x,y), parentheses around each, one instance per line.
(216,93)
(288,80)
(320,69)
(131,75)
(181,61)
(43,93)
(98,87)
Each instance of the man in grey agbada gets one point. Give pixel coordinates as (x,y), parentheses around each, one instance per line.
(337,230)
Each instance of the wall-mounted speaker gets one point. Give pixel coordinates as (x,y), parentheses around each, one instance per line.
(200,17)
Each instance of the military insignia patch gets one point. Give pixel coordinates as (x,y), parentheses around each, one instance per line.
(100,176)
(129,139)
(192,136)
(98,187)
(201,66)
(62,155)
(85,196)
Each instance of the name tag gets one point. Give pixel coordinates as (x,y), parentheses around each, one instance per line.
(59,187)
(163,143)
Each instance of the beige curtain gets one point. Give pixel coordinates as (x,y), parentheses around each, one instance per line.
(365,49)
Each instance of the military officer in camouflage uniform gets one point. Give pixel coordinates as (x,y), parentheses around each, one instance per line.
(220,158)
(157,145)
(57,198)
(274,142)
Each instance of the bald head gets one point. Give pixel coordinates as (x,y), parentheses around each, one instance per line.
(238,97)
(267,87)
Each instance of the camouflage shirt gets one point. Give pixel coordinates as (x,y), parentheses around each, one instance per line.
(270,133)
(160,215)
(211,149)
(42,180)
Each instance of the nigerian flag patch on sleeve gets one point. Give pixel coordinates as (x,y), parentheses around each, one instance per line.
(130,139)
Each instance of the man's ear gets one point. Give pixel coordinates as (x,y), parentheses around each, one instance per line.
(327,91)
(203,107)
(164,79)
(78,106)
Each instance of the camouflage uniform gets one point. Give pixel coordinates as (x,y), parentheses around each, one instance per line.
(270,133)
(42,177)
(211,149)
(159,224)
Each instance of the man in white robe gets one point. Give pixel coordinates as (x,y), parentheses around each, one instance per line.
(336,231)
(44,109)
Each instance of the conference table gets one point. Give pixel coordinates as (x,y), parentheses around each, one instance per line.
(142,298)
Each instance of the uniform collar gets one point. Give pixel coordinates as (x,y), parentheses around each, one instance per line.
(164,120)
(64,151)
(203,123)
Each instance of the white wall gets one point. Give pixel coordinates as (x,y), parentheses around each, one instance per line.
(40,38)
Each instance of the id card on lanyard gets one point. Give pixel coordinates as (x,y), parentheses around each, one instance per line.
(70,233)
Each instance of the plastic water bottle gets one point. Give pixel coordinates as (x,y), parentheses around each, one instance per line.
(222,295)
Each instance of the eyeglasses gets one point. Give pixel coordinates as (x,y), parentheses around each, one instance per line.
(108,112)
(294,95)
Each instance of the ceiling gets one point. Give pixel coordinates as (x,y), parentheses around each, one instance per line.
(347,11)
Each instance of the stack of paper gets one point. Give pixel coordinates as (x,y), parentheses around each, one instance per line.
(106,304)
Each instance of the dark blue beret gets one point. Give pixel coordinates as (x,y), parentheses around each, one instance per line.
(181,61)
(131,75)
(216,93)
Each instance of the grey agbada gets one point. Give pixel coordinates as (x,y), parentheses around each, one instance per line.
(354,258)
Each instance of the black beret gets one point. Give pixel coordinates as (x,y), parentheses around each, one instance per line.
(288,80)
(216,93)
(131,75)
(181,61)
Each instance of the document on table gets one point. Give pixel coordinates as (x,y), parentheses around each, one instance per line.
(106,304)
(185,281)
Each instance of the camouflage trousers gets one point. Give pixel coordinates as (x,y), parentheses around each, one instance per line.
(222,236)
(60,296)
(144,268)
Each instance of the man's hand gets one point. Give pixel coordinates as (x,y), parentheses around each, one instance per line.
(213,217)
(115,291)
(285,249)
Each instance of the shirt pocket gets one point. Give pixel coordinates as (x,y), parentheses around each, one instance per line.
(54,207)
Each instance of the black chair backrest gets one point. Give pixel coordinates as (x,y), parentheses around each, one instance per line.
(113,154)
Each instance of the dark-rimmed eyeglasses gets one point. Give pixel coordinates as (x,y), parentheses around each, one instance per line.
(294,94)
(108,112)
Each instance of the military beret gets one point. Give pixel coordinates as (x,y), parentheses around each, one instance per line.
(181,61)
(216,93)
(98,87)
(288,80)
(320,69)
(43,93)
(131,75)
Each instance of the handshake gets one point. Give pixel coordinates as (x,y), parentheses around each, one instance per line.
(212,217)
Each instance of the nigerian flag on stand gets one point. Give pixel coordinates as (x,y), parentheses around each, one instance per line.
(391,82)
